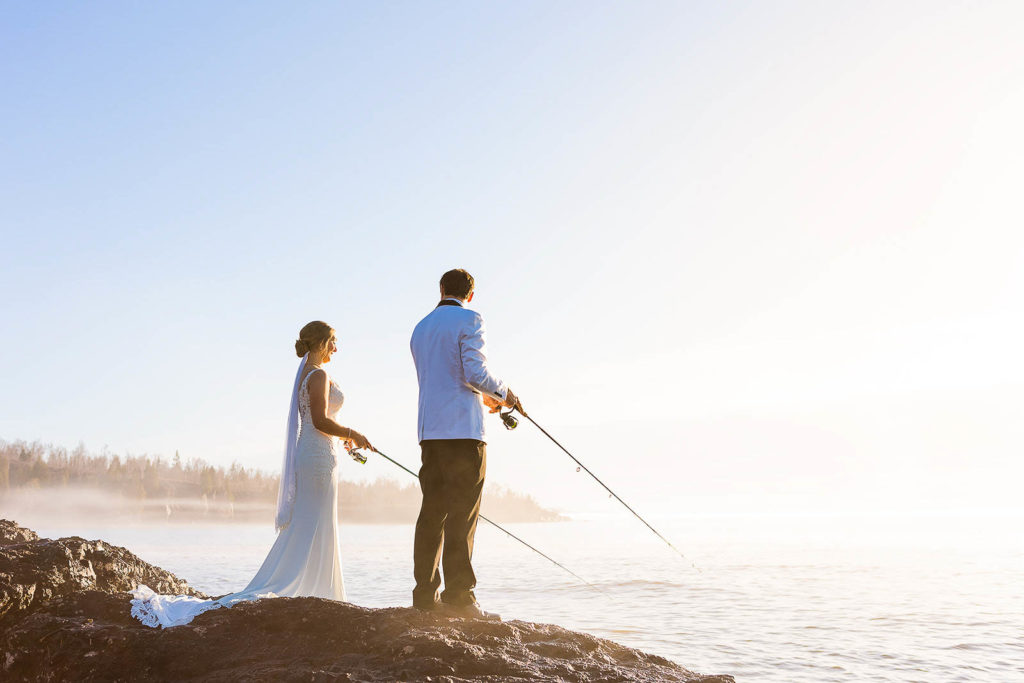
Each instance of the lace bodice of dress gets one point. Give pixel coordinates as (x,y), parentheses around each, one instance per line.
(311,440)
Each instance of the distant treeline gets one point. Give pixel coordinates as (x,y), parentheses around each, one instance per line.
(179,489)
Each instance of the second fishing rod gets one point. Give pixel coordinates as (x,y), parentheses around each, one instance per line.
(361,458)
(511,423)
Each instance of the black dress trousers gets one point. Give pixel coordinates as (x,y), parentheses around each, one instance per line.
(452,481)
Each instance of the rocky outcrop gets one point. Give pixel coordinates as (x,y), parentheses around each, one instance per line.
(84,632)
(11,533)
(35,571)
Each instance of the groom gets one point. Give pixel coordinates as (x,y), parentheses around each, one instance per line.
(455,383)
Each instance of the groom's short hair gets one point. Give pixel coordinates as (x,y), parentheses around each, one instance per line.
(457,283)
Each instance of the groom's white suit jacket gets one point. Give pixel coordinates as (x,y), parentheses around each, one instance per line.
(448,349)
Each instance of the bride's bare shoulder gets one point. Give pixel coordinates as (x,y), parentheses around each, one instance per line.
(317,378)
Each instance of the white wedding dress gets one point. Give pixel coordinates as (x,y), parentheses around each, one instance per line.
(305,559)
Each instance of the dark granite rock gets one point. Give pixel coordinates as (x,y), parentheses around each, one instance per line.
(11,533)
(83,631)
(34,572)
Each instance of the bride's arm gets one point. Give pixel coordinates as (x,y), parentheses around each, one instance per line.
(318,389)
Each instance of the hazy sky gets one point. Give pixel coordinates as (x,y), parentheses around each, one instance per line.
(736,256)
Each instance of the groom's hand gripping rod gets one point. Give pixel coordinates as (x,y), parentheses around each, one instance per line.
(506,531)
(626,505)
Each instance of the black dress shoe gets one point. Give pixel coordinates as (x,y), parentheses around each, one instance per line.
(471,611)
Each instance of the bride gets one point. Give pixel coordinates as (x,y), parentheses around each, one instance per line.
(305,559)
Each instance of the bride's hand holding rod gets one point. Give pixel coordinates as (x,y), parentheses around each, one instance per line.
(318,389)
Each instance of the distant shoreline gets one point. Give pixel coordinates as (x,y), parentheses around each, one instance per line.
(51,480)
(104,506)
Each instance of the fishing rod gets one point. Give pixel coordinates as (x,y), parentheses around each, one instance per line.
(511,423)
(361,458)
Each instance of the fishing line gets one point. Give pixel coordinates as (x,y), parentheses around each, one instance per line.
(511,423)
(359,457)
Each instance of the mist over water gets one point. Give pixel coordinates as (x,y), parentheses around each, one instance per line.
(776,598)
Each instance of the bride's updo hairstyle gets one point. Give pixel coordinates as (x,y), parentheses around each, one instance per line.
(313,337)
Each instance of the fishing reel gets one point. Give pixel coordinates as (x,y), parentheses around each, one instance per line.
(356,455)
(510,421)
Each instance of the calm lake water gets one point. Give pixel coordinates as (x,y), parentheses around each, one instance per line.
(886,598)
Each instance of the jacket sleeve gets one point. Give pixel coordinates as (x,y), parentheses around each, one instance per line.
(474,360)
